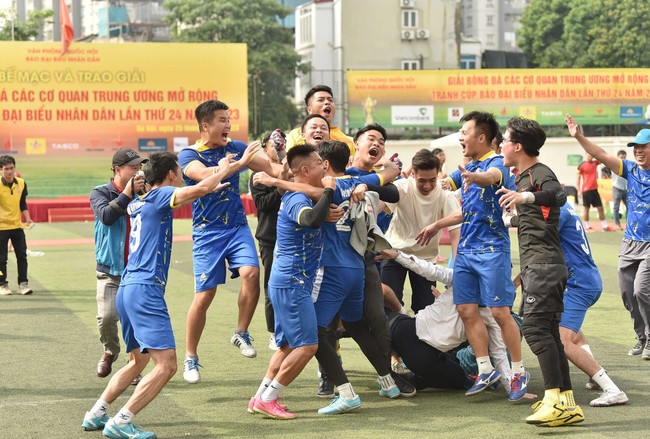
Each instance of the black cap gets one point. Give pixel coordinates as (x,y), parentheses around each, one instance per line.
(127,157)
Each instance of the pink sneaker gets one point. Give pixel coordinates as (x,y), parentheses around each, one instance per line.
(251,406)
(272,409)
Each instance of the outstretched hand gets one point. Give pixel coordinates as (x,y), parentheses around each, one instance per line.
(574,129)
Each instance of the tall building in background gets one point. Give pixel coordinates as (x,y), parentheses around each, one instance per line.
(491,23)
(126,20)
(337,35)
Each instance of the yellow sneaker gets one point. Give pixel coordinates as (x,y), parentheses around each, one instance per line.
(547,413)
(575,416)
(537,405)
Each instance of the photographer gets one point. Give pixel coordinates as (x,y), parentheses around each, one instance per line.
(109,202)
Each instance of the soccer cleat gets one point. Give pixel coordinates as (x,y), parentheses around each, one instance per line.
(537,406)
(546,413)
(518,386)
(4,290)
(93,423)
(191,368)
(272,409)
(406,389)
(127,431)
(24,289)
(592,385)
(482,382)
(341,405)
(325,387)
(575,416)
(392,392)
(251,405)
(638,347)
(243,341)
(272,344)
(609,398)
(646,350)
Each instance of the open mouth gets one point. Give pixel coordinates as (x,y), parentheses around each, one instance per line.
(327,110)
(373,152)
(317,137)
(224,136)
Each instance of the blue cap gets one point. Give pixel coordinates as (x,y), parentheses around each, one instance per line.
(642,138)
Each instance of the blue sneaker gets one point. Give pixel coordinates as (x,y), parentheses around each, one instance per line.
(92,423)
(128,431)
(391,392)
(482,382)
(342,405)
(518,386)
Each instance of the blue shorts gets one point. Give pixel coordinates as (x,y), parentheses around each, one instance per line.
(295,318)
(144,317)
(576,304)
(212,248)
(484,278)
(338,290)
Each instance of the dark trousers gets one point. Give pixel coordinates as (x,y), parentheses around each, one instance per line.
(394,275)
(542,333)
(330,362)
(373,307)
(17,237)
(431,367)
(266,255)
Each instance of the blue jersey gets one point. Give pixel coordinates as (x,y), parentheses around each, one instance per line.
(638,201)
(297,252)
(337,250)
(583,272)
(482,230)
(150,241)
(383,218)
(221,209)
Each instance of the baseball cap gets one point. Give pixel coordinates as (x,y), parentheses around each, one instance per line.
(127,157)
(642,138)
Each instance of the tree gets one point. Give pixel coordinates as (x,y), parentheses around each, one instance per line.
(272,62)
(22,30)
(586,33)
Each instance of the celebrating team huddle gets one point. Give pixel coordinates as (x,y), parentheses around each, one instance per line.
(346,226)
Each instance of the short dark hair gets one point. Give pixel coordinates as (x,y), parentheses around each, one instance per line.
(313,116)
(371,127)
(336,153)
(315,89)
(158,166)
(622,151)
(297,154)
(7,160)
(205,111)
(499,138)
(485,123)
(528,133)
(425,160)
(436,151)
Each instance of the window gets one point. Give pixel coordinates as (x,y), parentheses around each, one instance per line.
(489,3)
(489,39)
(467,61)
(409,18)
(410,64)
(490,20)
(305,26)
(468,22)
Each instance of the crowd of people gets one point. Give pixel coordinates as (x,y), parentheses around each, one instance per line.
(340,228)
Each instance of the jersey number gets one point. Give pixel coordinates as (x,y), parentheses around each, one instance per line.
(584,245)
(134,239)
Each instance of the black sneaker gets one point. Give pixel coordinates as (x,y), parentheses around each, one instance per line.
(406,389)
(325,387)
(638,347)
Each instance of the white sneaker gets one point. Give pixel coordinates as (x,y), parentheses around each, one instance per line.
(24,289)
(4,290)
(610,397)
(191,370)
(272,345)
(244,342)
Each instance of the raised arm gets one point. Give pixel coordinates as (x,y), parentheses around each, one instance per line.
(609,160)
